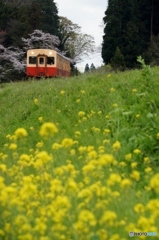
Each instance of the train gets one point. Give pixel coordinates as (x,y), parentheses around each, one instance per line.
(47,63)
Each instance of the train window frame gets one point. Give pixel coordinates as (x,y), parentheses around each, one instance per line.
(50,60)
(32,60)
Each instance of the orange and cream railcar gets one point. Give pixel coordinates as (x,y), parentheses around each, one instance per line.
(46,63)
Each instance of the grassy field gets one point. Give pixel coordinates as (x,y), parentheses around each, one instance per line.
(79,157)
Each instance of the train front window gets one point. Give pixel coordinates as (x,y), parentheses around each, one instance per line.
(41,60)
(50,60)
(32,60)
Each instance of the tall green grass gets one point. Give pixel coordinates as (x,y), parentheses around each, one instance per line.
(79,157)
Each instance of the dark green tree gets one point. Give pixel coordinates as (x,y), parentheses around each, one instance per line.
(112,30)
(132,44)
(35,16)
(152,54)
(130,25)
(92,67)
(49,17)
(20,18)
(117,61)
(86,68)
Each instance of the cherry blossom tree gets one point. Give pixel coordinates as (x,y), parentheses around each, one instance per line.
(12,64)
(39,39)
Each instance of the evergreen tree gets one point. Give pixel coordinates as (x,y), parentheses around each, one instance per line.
(92,67)
(86,68)
(112,30)
(117,62)
(130,25)
(132,44)
(35,16)
(152,55)
(49,16)
(19,18)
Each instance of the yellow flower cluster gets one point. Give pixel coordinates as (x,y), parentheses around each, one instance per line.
(48,129)
(61,188)
(20,133)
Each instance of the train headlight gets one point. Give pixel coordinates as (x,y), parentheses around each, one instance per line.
(32,52)
(50,53)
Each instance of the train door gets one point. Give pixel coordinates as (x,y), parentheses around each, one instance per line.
(41,65)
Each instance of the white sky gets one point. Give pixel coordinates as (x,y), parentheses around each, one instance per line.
(88,14)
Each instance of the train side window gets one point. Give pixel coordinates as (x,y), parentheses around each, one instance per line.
(50,60)
(32,60)
(41,60)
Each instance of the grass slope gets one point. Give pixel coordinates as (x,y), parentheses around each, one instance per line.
(79,157)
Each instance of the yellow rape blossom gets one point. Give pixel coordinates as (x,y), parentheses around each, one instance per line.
(135,175)
(21,132)
(2,233)
(77,134)
(125,183)
(13,146)
(62,92)
(82,149)
(148,170)
(87,217)
(56,146)
(146,160)
(128,156)
(115,237)
(92,154)
(95,129)
(112,89)
(88,168)
(40,119)
(123,164)
(137,151)
(157,136)
(83,91)
(3,167)
(24,157)
(108,218)
(106,141)
(144,223)
(36,102)
(44,156)
(39,144)
(139,208)
(48,129)
(102,233)
(134,164)
(113,178)
(134,90)
(154,182)
(72,152)
(106,131)
(67,142)
(153,206)
(81,114)
(106,159)
(116,146)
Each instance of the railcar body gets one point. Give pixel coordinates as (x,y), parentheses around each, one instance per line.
(46,63)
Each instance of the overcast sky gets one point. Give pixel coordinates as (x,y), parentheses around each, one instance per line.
(88,14)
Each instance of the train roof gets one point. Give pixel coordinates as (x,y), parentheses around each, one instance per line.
(46,49)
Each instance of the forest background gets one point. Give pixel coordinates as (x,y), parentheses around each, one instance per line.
(131,28)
